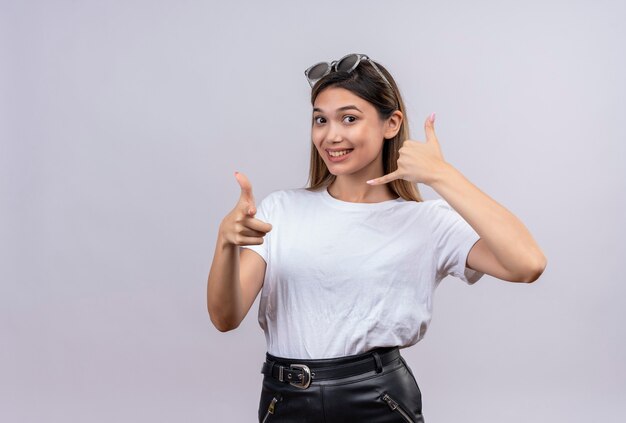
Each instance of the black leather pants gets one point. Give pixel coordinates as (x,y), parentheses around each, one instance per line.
(384,391)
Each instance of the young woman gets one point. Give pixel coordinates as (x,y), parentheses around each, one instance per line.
(347,267)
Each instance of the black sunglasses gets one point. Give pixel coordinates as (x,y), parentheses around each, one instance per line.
(347,63)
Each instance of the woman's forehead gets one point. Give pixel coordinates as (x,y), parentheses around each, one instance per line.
(336,98)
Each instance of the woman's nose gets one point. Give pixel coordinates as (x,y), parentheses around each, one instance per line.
(335,134)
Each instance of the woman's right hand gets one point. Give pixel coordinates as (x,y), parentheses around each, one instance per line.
(239,227)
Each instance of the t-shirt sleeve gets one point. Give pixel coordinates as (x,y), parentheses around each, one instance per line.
(453,239)
(263,211)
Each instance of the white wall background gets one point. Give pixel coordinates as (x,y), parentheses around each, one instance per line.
(121,124)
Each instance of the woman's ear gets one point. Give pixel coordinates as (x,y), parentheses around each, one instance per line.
(392,124)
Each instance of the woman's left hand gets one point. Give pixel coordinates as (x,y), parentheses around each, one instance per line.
(418,161)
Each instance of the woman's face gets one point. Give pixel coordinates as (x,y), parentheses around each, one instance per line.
(343,121)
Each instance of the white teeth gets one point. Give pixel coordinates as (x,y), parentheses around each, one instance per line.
(338,153)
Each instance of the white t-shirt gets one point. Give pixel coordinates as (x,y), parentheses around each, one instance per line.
(343,277)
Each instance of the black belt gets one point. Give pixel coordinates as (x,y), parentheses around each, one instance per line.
(300,373)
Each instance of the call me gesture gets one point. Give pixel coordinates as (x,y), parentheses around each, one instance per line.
(506,249)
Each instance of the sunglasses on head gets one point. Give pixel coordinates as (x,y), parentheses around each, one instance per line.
(347,63)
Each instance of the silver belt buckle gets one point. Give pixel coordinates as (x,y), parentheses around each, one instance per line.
(305,376)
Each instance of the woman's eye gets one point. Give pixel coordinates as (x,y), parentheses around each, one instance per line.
(318,119)
(350,117)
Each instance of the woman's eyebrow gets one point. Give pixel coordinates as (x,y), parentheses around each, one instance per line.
(350,106)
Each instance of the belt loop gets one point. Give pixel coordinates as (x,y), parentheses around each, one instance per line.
(267,364)
(379,363)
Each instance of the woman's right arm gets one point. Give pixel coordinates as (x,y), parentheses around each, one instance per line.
(236,277)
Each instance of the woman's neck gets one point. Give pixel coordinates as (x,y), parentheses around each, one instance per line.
(346,189)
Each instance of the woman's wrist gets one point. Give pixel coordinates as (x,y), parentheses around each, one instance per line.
(222,241)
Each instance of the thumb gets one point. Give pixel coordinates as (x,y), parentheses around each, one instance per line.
(429,128)
(246,197)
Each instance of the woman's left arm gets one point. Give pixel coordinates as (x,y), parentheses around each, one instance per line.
(506,249)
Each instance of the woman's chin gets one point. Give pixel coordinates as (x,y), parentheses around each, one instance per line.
(335,171)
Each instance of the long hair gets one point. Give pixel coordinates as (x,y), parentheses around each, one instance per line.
(366,83)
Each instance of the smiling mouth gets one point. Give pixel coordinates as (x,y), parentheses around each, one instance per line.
(339,153)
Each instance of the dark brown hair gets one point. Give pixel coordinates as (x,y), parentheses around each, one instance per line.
(366,83)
